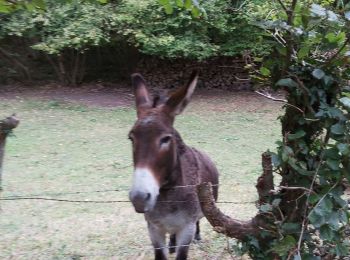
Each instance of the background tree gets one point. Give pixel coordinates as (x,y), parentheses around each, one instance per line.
(72,36)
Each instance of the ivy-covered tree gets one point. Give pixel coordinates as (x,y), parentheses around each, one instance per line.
(306,215)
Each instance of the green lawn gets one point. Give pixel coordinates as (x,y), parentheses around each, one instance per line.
(67,147)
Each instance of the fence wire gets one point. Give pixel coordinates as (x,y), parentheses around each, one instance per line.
(48,196)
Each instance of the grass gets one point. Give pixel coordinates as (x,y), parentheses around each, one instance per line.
(68,147)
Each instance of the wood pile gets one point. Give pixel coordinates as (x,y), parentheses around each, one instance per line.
(223,73)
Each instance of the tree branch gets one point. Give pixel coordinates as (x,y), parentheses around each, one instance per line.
(279,100)
(221,222)
(232,227)
(337,53)
(265,181)
(283,6)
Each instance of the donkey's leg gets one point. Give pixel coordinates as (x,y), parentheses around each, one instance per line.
(172,244)
(183,241)
(158,241)
(197,236)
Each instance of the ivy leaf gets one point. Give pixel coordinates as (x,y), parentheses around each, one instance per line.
(288,82)
(180,3)
(188,4)
(297,135)
(338,129)
(333,164)
(320,213)
(291,228)
(332,153)
(303,52)
(318,73)
(283,246)
(276,161)
(195,12)
(265,208)
(310,257)
(41,3)
(328,80)
(344,149)
(286,153)
(326,232)
(297,257)
(332,16)
(265,71)
(168,9)
(276,202)
(347,15)
(4,9)
(164,2)
(342,250)
(314,198)
(317,10)
(345,101)
(316,219)
(343,217)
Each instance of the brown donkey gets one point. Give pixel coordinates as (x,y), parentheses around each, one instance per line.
(167,171)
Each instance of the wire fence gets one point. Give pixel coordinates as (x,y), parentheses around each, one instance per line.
(55,197)
(48,196)
(141,249)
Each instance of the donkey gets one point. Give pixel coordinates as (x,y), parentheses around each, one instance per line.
(166,171)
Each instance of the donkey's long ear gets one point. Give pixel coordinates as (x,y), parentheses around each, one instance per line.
(178,100)
(141,93)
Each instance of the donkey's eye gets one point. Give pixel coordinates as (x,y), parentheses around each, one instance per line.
(165,139)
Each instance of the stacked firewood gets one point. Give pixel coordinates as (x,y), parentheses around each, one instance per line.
(227,73)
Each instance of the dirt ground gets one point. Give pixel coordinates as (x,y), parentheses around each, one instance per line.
(113,95)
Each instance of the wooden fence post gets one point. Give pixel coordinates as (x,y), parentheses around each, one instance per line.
(6,126)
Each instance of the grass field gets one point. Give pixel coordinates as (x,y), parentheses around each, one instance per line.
(67,147)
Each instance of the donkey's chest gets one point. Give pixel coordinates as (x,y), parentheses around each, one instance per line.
(170,223)
(173,222)
(172,214)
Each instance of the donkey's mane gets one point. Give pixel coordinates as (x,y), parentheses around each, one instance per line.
(181,146)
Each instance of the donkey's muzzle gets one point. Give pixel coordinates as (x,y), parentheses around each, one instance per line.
(140,201)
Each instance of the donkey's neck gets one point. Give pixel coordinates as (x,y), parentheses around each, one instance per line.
(184,158)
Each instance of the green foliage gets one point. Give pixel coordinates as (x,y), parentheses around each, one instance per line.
(148,27)
(222,29)
(169,29)
(8,6)
(63,26)
(310,63)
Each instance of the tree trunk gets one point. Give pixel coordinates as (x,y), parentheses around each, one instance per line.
(56,69)
(62,69)
(75,68)
(17,63)
(82,68)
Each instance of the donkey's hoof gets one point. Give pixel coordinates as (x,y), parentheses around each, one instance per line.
(172,250)
(198,237)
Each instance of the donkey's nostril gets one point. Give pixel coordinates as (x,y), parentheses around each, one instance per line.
(148,196)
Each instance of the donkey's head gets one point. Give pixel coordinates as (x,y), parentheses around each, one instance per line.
(153,141)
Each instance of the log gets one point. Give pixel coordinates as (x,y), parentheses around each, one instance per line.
(6,126)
